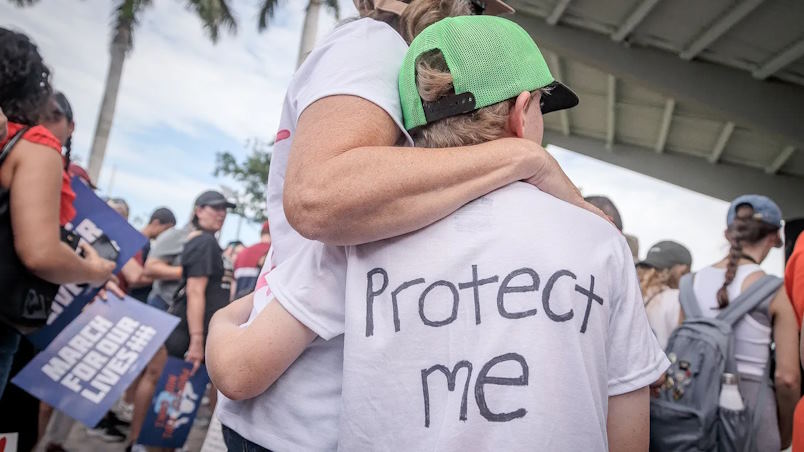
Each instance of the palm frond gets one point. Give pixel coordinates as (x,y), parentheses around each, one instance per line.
(332,6)
(215,15)
(126,17)
(266,13)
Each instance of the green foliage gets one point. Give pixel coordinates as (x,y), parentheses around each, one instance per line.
(251,174)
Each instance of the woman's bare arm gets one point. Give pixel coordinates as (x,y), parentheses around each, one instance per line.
(134,273)
(788,374)
(346,184)
(156,268)
(35,175)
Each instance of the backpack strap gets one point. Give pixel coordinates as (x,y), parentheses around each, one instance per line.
(752,297)
(689,303)
(11,143)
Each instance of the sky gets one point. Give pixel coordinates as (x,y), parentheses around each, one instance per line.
(183,98)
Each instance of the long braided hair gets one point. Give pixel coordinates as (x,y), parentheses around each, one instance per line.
(745,230)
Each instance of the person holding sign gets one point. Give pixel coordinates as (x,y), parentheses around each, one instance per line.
(39,190)
(515,323)
(206,288)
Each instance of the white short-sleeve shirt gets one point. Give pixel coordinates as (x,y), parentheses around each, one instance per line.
(504,326)
(300,411)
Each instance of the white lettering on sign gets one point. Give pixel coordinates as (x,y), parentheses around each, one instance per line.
(88,230)
(92,362)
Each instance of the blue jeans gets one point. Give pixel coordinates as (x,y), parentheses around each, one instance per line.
(9,341)
(157,302)
(236,443)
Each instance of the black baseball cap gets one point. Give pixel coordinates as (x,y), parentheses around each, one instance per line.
(666,254)
(213,198)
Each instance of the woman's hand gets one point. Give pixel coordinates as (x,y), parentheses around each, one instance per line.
(101,268)
(551,179)
(195,354)
(110,286)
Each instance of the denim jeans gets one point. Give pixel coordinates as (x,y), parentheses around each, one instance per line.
(9,341)
(157,302)
(236,443)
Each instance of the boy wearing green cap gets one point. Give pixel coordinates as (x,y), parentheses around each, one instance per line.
(516,323)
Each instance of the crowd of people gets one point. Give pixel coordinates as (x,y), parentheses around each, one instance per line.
(426,244)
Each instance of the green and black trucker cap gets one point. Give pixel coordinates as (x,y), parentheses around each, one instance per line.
(491,59)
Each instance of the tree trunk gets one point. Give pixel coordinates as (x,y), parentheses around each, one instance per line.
(309,31)
(119,47)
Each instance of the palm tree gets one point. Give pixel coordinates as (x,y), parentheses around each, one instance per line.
(310,28)
(214,15)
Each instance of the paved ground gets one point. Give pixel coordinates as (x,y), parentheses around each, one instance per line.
(78,441)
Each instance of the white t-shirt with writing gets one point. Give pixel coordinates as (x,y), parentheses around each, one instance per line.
(300,411)
(504,326)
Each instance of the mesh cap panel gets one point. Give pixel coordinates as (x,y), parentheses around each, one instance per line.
(491,57)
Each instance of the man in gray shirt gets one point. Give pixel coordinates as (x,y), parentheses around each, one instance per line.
(164,266)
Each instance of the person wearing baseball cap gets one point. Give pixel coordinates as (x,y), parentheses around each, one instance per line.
(191,281)
(361,181)
(671,256)
(753,229)
(530,300)
(659,273)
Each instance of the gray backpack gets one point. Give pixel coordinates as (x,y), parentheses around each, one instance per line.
(686,416)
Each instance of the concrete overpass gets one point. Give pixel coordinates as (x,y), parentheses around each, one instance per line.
(708,95)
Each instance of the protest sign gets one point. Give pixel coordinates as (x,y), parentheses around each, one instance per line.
(86,368)
(93,219)
(174,406)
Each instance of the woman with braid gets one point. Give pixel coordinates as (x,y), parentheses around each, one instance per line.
(754,223)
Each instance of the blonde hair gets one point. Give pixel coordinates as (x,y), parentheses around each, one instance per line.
(653,281)
(418,15)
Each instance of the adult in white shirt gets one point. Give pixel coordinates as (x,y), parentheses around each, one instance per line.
(540,314)
(667,261)
(753,225)
(337,177)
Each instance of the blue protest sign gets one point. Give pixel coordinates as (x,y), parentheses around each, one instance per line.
(174,406)
(93,218)
(86,368)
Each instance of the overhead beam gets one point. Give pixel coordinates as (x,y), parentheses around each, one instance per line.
(781,60)
(725,93)
(611,110)
(555,68)
(557,12)
(635,18)
(664,129)
(779,161)
(723,181)
(722,141)
(719,28)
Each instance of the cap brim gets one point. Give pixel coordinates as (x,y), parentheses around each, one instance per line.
(559,98)
(226,204)
(498,8)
